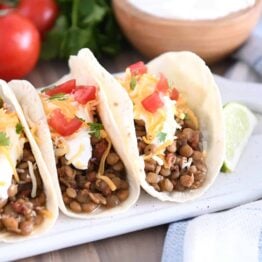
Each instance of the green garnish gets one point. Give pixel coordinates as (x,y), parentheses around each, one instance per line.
(4,139)
(133,83)
(95,129)
(19,128)
(85,23)
(79,118)
(161,136)
(59,97)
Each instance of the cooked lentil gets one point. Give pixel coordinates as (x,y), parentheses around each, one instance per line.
(184,162)
(84,190)
(21,213)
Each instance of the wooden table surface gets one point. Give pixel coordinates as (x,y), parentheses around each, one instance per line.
(145,245)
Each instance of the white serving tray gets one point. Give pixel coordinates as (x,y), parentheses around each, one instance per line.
(229,190)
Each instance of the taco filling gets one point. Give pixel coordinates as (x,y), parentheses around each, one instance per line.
(90,172)
(22,196)
(167,130)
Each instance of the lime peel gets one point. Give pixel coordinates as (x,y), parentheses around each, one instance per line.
(239,125)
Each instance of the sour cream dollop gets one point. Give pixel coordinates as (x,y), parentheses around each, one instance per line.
(191,9)
(15,152)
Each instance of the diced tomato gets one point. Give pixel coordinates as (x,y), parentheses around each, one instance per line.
(83,94)
(162,84)
(66,88)
(174,95)
(152,102)
(62,125)
(138,68)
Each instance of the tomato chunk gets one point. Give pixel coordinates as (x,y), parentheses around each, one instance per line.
(84,94)
(66,88)
(152,102)
(174,95)
(63,126)
(138,68)
(162,84)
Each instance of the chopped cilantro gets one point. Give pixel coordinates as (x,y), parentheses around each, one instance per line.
(95,129)
(4,139)
(161,136)
(133,83)
(59,97)
(19,128)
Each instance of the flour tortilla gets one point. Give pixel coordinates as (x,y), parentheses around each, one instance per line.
(193,79)
(51,200)
(80,70)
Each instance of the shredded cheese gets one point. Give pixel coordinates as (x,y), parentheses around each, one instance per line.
(101,168)
(65,106)
(8,157)
(109,182)
(145,86)
(33,179)
(8,119)
(34,131)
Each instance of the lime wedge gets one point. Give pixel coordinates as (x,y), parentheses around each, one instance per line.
(239,124)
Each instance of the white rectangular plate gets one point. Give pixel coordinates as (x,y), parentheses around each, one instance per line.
(229,190)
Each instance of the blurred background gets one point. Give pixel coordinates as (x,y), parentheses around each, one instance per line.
(119,32)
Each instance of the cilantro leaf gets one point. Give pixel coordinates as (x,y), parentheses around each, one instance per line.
(83,23)
(133,83)
(4,139)
(95,129)
(59,97)
(19,128)
(161,136)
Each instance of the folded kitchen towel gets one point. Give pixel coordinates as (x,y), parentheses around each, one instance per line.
(228,236)
(234,235)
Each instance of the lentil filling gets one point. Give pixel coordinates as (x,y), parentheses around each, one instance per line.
(85,190)
(184,165)
(21,212)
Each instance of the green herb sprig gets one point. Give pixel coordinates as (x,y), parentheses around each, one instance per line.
(4,139)
(161,136)
(95,128)
(83,23)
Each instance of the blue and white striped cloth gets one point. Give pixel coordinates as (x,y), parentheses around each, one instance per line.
(236,234)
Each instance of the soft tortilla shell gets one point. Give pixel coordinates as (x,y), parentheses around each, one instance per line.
(52,205)
(194,80)
(79,70)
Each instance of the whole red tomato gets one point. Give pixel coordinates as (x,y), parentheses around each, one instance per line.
(42,13)
(19,46)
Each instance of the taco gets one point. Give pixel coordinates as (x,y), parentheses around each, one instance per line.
(175,120)
(28,205)
(81,145)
